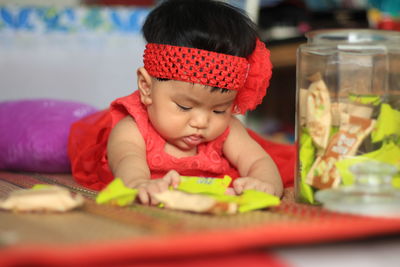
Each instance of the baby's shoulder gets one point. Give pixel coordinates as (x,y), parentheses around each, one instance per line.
(236,125)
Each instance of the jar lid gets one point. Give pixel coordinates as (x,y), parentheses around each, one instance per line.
(353,36)
(371,195)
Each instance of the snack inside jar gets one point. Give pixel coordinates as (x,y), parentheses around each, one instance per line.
(348,107)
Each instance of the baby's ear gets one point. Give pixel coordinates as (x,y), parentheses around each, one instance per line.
(144,84)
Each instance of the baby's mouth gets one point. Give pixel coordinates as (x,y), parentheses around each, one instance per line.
(193,140)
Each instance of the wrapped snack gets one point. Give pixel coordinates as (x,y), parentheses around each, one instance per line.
(42,199)
(345,142)
(337,108)
(358,110)
(388,124)
(303,95)
(255,200)
(178,200)
(116,193)
(306,158)
(217,204)
(389,153)
(318,119)
(250,200)
(208,185)
(374,100)
(355,109)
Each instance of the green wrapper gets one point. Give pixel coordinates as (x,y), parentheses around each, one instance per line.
(365,99)
(116,193)
(255,200)
(41,186)
(204,185)
(388,153)
(250,200)
(307,156)
(388,124)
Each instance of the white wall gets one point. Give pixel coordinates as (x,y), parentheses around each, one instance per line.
(92,65)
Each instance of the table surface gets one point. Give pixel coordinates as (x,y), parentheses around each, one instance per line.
(377,252)
(298,235)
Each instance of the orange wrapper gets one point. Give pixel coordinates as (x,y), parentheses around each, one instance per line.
(353,130)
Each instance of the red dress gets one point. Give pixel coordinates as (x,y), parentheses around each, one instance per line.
(88,142)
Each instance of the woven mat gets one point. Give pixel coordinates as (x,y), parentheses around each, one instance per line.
(150,231)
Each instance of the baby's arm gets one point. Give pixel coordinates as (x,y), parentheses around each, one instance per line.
(126,152)
(257,169)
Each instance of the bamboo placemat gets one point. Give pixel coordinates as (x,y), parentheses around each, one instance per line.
(289,223)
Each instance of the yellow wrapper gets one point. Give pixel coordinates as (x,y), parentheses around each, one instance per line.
(365,99)
(254,200)
(388,153)
(40,186)
(204,185)
(307,156)
(250,200)
(388,123)
(116,193)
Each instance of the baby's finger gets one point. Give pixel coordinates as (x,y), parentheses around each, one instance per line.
(239,185)
(143,196)
(160,186)
(268,189)
(157,187)
(259,186)
(230,191)
(153,200)
(173,178)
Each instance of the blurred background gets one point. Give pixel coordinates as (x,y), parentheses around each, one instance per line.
(89,50)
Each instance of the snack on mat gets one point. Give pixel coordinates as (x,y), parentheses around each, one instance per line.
(217,204)
(208,185)
(345,142)
(318,118)
(42,198)
(178,200)
(116,193)
(194,194)
(254,200)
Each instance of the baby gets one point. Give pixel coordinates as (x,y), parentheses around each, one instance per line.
(203,63)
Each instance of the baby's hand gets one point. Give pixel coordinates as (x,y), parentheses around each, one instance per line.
(150,187)
(244,183)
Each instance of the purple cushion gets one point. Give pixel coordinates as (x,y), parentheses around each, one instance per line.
(34,133)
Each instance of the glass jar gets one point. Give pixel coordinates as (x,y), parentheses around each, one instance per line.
(348,107)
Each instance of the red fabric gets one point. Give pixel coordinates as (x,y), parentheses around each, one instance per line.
(197,245)
(247,258)
(284,156)
(194,65)
(86,150)
(88,141)
(257,81)
(250,77)
(209,161)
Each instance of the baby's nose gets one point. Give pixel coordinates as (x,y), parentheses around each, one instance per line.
(199,120)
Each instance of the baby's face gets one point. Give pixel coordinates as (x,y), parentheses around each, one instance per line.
(187,114)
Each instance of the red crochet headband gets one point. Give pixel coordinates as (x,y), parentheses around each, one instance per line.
(249,76)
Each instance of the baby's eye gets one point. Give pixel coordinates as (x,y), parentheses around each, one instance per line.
(219,111)
(184,108)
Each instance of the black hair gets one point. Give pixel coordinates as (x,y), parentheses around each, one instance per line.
(203,24)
